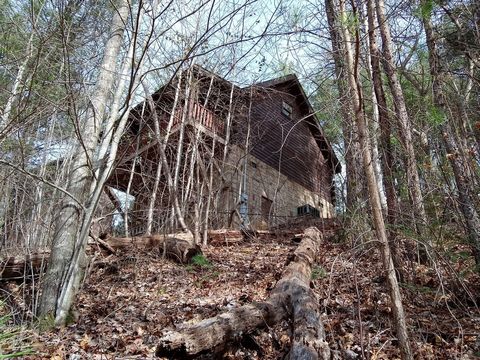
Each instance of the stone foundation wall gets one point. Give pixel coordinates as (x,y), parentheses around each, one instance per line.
(264,185)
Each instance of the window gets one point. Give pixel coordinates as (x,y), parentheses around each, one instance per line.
(287,109)
(253,164)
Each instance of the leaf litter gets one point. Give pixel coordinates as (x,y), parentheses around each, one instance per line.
(129,299)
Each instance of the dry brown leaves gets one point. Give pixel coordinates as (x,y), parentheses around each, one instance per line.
(128,301)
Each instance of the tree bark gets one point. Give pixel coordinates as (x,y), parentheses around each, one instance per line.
(405,126)
(456,157)
(291,295)
(384,120)
(70,215)
(385,133)
(374,196)
(353,185)
(180,250)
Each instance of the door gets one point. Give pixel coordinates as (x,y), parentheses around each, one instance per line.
(266,208)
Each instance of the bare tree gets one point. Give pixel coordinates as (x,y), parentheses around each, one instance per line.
(355,92)
(69,240)
(455,153)
(384,125)
(353,173)
(404,123)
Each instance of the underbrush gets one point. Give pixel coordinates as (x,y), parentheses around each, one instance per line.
(14,339)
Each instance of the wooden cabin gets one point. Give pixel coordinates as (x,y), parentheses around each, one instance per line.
(225,156)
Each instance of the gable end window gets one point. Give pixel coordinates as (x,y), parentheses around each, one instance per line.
(287,109)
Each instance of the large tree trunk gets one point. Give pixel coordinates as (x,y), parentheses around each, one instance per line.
(71,214)
(405,126)
(455,155)
(373,192)
(291,295)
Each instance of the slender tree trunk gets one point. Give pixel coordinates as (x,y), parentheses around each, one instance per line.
(456,157)
(19,79)
(373,192)
(375,124)
(160,144)
(158,172)
(208,217)
(384,120)
(80,177)
(126,209)
(170,183)
(405,126)
(385,132)
(185,117)
(353,190)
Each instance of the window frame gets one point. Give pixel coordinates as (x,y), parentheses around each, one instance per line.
(287,109)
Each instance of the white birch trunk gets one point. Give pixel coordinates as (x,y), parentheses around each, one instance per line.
(375,121)
(68,229)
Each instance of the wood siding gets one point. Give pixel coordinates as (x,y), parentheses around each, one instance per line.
(287,144)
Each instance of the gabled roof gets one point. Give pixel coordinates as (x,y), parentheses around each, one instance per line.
(293,85)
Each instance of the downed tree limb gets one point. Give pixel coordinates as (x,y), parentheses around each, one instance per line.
(225,236)
(102,243)
(228,237)
(179,250)
(291,296)
(19,267)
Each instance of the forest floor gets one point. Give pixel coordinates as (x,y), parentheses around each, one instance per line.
(128,299)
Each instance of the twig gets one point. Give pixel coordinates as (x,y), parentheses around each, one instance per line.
(26,172)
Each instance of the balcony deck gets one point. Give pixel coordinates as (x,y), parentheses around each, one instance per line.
(201,118)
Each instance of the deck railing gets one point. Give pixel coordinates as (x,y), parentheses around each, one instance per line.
(200,115)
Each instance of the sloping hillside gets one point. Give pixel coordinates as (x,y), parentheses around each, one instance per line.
(129,299)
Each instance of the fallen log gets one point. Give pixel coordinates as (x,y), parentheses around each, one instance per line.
(228,237)
(225,236)
(291,296)
(20,267)
(179,250)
